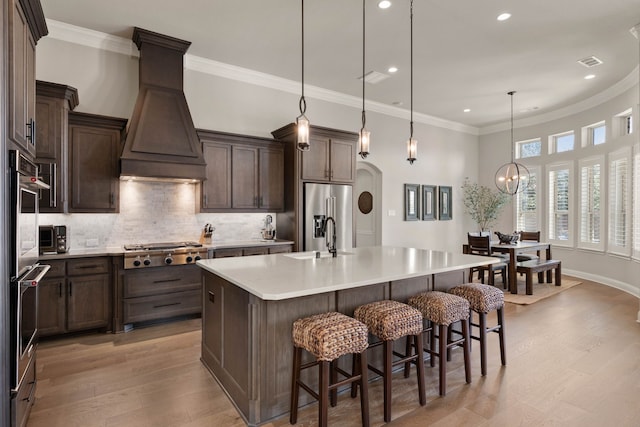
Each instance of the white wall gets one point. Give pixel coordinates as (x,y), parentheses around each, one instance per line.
(621,272)
(107,84)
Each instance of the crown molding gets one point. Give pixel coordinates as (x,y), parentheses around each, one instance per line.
(98,40)
(617,89)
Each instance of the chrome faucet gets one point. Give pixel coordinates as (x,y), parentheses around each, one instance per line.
(331,240)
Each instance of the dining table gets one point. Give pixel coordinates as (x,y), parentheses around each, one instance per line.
(513,249)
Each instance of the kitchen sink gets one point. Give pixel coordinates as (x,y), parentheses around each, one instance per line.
(313,255)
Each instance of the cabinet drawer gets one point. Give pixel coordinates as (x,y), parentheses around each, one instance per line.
(23,401)
(255,251)
(280,249)
(161,280)
(223,253)
(58,268)
(85,266)
(162,306)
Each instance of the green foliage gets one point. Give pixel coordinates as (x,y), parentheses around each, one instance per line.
(482,203)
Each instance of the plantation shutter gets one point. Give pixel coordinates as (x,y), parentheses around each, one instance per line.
(560,204)
(619,187)
(527,205)
(590,204)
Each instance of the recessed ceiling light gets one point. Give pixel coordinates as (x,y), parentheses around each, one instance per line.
(384,4)
(504,16)
(392,69)
(466,110)
(590,76)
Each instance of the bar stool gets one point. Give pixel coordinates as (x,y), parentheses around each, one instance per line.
(483,299)
(328,336)
(390,320)
(442,310)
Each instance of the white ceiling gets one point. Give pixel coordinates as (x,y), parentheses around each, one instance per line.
(463,57)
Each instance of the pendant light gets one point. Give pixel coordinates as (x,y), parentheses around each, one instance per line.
(412,144)
(301,121)
(365,136)
(512,178)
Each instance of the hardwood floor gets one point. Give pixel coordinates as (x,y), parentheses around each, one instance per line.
(572,360)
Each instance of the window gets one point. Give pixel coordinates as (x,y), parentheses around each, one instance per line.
(595,134)
(623,123)
(527,205)
(591,215)
(561,142)
(531,148)
(636,203)
(560,201)
(619,198)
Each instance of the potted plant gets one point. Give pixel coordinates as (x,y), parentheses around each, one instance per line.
(483,204)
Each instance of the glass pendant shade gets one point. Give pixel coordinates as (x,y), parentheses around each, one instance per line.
(303,133)
(511,178)
(363,143)
(412,150)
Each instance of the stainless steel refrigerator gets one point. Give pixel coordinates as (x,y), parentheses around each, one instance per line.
(320,202)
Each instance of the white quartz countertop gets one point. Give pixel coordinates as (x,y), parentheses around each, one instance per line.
(298,274)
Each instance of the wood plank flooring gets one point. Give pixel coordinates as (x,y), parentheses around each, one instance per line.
(572,360)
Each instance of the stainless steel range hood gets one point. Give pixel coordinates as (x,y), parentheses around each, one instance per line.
(161,142)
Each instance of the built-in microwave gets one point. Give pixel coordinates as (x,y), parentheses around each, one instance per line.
(52,239)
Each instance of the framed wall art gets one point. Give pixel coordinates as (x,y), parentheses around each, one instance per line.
(411,202)
(444,212)
(429,203)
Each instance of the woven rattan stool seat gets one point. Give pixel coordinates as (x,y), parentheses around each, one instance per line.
(440,307)
(330,335)
(482,298)
(390,320)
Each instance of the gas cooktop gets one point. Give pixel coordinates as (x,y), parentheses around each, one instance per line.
(161,246)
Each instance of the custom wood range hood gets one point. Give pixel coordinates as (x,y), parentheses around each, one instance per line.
(161,142)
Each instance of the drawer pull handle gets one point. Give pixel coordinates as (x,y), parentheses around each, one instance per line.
(167,280)
(88,266)
(166,305)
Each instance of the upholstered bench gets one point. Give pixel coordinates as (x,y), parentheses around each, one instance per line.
(539,266)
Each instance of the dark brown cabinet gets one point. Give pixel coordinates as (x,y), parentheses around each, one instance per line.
(329,159)
(244,173)
(53,103)
(75,296)
(95,143)
(26,27)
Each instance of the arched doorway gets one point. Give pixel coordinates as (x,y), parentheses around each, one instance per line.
(368,205)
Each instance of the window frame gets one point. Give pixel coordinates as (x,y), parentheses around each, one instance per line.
(588,131)
(553,142)
(582,164)
(551,198)
(623,123)
(519,145)
(635,191)
(533,171)
(612,246)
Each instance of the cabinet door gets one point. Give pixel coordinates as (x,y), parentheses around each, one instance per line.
(212,317)
(51,306)
(245,177)
(22,53)
(88,302)
(49,116)
(315,162)
(271,179)
(93,169)
(216,190)
(343,161)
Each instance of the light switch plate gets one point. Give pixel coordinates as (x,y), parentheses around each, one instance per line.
(391,212)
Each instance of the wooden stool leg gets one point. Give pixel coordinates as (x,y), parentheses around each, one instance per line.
(482,321)
(323,407)
(432,345)
(297,355)
(333,379)
(354,385)
(449,336)
(386,377)
(466,346)
(407,352)
(420,368)
(548,276)
(442,342)
(541,277)
(558,274)
(503,353)
(364,388)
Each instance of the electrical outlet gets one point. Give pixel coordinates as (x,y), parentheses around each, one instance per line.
(92,243)
(392,212)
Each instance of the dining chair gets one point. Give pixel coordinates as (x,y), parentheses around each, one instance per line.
(481,245)
(528,236)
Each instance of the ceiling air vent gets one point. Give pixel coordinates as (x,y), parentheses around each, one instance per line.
(374,77)
(590,61)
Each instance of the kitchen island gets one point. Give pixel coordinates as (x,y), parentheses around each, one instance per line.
(250,304)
